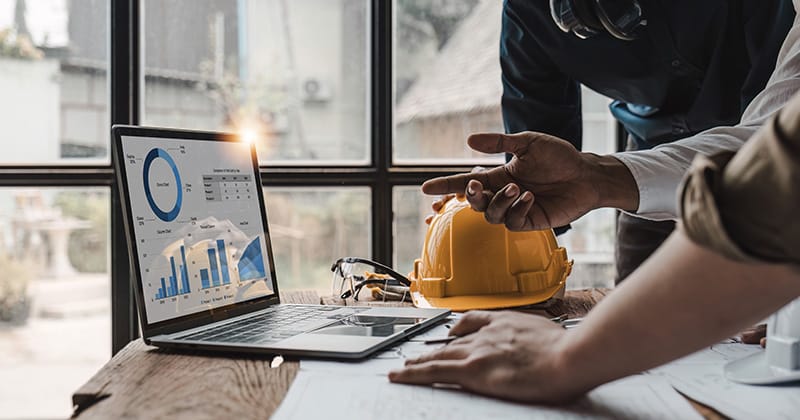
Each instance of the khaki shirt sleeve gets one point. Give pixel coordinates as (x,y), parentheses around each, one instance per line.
(746,205)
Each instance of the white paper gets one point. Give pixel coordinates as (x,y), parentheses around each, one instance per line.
(701,377)
(361,390)
(321,394)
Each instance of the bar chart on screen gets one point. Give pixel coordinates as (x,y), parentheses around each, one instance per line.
(217,266)
(170,288)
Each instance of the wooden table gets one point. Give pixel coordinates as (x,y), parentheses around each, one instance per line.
(145,382)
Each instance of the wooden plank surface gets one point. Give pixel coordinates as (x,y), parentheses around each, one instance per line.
(145,382)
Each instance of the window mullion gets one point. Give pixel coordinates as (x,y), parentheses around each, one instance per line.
(124,79)
(381,80)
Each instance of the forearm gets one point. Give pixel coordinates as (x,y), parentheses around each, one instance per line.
(683,298)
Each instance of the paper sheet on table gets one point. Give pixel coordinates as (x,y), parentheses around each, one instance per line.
(320,394)
(362,391)
(700,376)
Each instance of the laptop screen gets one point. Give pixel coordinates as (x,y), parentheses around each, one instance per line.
(197,224)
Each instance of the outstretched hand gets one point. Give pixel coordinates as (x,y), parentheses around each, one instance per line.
(507,355)
(548,183)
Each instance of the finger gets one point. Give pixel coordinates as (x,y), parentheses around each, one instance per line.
(476,196)
(754,334)
(437,205)
(491,179)
(471,321)
(428,219)
(496,210)
(763,342)
(451,351)
(517,215)
(440,371)
(503,143)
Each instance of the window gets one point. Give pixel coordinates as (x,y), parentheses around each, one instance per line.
(53,65)
(55,207)
(310,228)
(55,327)
(352,103)
(293,75)
(447,79)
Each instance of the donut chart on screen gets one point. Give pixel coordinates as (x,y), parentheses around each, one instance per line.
(165,215)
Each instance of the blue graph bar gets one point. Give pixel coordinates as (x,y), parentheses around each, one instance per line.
(162,291)
(173,288)
(204,278)
(212,261)
(223,262)
(173,280)
(184,272)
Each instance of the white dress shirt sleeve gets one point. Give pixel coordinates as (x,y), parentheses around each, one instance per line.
(658,172)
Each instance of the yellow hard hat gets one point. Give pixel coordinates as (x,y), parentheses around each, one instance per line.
(468,263)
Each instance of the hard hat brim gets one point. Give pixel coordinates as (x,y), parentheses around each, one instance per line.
(755,370)
(495,301)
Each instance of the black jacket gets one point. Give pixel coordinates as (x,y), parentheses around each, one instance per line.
(700,62)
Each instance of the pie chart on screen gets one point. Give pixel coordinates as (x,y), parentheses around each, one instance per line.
(162,184)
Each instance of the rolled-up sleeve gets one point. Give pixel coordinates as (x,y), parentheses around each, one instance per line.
(745,205)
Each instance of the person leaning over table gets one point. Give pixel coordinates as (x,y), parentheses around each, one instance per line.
(735,259)
(567,184)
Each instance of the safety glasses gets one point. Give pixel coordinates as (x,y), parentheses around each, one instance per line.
(351,274)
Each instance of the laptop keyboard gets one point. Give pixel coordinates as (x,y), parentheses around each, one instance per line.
(275,324)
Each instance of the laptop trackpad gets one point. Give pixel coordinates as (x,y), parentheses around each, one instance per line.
(368,326)
(354,334)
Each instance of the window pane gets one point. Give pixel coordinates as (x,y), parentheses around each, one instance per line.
(447,78)
(311,228)
(410,209)
(53,63)
(591,240)
(55,323)
(292,75)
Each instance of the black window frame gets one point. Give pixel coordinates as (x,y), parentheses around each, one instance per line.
(381,175)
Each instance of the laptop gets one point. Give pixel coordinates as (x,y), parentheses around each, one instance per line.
(202,262)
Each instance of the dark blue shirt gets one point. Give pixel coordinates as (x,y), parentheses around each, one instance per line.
(699,62)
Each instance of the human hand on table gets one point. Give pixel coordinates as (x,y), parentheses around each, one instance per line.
(500,354)
(547,183)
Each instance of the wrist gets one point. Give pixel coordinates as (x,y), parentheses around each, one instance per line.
(570,378)
(613,181)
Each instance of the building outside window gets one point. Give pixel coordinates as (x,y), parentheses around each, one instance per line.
(297,77)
